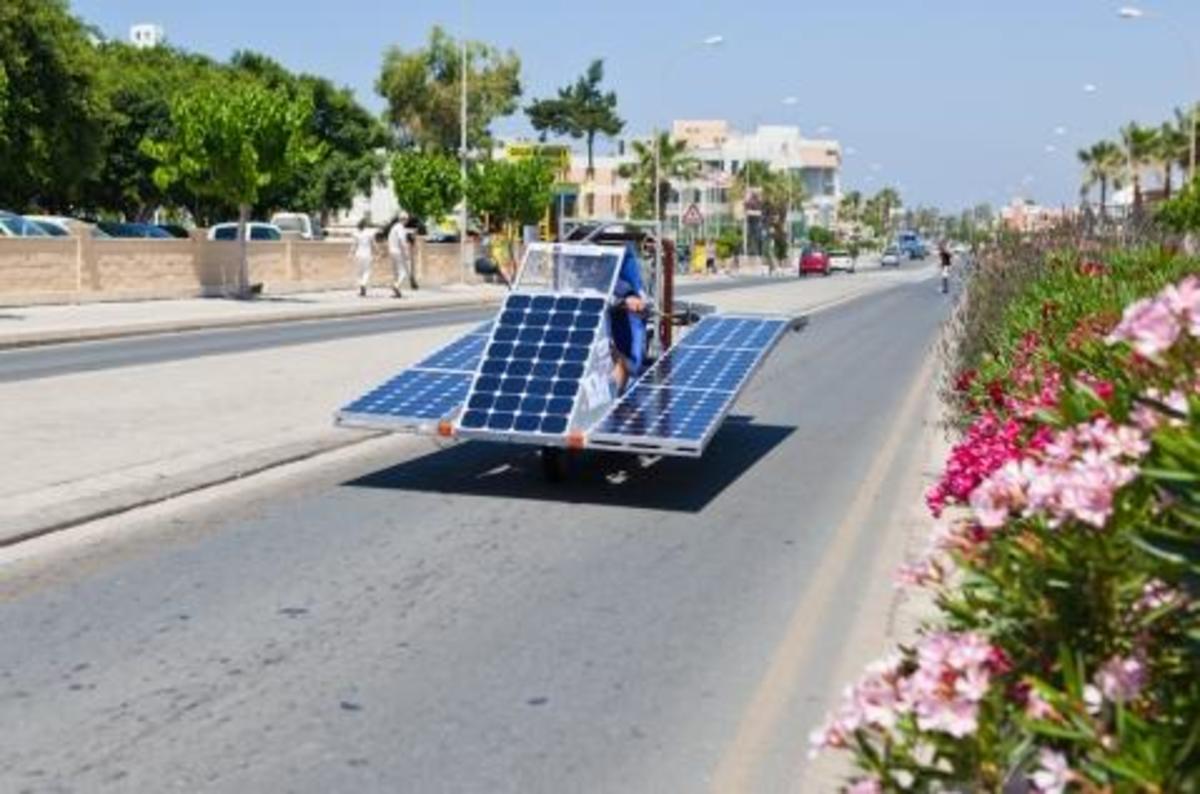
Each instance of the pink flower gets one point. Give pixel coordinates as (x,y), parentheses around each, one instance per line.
(866,785)
(1053,773)
(1036,707)
(1149,325)
(1121,679)
(1184,300)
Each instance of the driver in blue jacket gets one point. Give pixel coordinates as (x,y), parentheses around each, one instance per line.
(628,326)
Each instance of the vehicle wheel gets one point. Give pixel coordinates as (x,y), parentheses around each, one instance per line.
(554,464)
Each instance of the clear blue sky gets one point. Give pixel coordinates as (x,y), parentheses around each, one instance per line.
(954,100)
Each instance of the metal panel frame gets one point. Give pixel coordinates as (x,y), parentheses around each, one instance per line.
(689,447)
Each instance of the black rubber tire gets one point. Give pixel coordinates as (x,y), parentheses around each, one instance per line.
(554,464)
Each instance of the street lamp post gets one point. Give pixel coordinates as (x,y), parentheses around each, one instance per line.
(714,40)
(462,153)
(1135,13)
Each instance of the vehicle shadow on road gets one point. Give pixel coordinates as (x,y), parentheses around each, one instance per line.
(604,478)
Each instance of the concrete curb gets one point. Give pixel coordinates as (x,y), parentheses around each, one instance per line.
(83,511)
(36,339)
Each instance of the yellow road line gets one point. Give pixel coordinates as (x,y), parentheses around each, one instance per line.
(737,770)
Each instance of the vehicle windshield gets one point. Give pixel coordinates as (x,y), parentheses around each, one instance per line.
(52,229)
(570,268)
(19,226)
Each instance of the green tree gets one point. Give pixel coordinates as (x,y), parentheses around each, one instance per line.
(776,193)
(878,211)
(51,115)
(1139,146)
(673,163)
(428,185)
(1103,165)
(506,195)
(581,111)
(851,206)
(231,142)
(422,88)
(138,86)
(353,139)
(1171,148)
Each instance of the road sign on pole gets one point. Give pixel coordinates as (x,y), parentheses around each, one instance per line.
(692,216)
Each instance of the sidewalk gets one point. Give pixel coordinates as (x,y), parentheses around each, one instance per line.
(30,326)
(27,326)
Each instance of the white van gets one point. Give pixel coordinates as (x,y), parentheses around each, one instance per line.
(299,224)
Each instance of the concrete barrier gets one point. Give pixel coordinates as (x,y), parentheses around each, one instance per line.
(84,269)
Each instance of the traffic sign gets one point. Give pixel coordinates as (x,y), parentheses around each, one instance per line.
(692,216)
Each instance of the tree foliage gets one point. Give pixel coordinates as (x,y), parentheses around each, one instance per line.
(505,193)
(351,135)
(51,120)
(581,110)
(428,185)
(422,88)
(673,163)
(233,140)
(137,86)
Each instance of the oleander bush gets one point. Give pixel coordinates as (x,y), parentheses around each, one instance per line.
(1065,561)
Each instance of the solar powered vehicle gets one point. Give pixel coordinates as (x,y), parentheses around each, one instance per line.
(541,372)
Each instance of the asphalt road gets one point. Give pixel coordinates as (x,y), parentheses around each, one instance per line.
(52,360)
(411,618)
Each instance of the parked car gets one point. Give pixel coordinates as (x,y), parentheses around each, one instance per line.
(298,223)
(840,259)
(65,226)
(257,231)
(14,225)
(891,257)
(175,230)
(814,260)
(132,231)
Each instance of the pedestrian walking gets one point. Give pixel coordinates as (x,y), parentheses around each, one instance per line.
(399,253)
(944,256)
(362,251)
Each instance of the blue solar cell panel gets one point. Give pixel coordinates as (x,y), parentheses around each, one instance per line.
(688,391)
(414,394)
(537,357)
(430,390)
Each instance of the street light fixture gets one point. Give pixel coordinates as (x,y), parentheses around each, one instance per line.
(1135,13)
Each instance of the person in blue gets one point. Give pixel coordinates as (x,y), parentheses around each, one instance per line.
(628,326)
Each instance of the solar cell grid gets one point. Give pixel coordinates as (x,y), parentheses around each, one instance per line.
(415,394)
(688,391)
(531,371)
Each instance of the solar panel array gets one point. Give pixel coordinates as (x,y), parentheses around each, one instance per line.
(425,393)
(535,361)
(675,407)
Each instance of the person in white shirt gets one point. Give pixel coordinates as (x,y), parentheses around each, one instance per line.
(362,251)
(398,251)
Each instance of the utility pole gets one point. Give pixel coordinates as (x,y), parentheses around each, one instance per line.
(462,153)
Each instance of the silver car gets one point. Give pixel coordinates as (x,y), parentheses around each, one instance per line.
(841,259)
(891,257)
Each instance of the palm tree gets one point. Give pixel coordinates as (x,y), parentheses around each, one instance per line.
(1103,165)
(1172,148)
(850,207)
(777,191)
(1140,145)
(1183,122)
(673,163)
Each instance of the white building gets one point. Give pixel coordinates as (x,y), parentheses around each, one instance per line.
(815,162)
(145,36)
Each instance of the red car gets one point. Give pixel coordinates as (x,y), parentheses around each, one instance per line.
(814,260)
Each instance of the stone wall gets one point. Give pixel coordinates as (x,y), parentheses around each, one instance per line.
(83,269)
